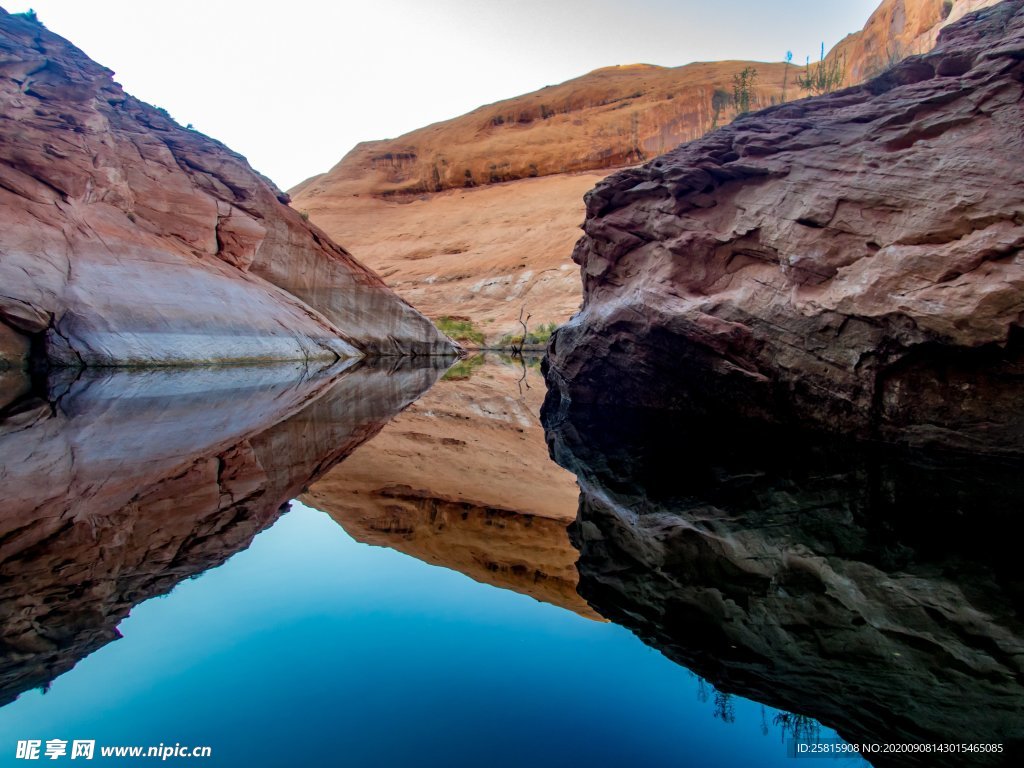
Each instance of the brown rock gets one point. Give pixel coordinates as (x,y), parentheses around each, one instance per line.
(14,348)
(129,239)
(851,262)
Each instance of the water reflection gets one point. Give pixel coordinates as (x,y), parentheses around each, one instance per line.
(119,485)
(462,479)
(877,592)
(877,595)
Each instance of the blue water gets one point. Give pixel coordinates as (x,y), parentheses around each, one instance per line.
(311,649)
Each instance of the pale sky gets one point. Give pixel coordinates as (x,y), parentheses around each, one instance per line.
(294,85)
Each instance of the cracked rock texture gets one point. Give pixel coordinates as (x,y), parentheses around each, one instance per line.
(127,239)
(152,477)
(874,590)
(852,262)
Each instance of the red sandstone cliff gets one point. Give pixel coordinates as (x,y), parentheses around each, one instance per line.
(127,239)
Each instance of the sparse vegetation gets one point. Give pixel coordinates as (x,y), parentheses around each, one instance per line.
(30,15)
(463,369)
(540,336)
(461,329)
(304,215)
(742,89)
(824,77)
(797,727)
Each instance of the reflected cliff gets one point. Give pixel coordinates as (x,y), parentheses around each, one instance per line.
(877,592)
(462,479)
(118,485)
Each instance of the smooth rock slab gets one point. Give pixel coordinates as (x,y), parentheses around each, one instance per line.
(126,239)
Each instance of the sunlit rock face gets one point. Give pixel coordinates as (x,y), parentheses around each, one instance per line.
(462,479)
(128,239)
(121,485)
(897,29)
(852,262)
(877,592)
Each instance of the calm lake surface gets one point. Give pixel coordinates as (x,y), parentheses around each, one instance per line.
(383,567)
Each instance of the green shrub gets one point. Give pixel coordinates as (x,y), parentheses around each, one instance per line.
(824,77)
(742,89)
(461,329)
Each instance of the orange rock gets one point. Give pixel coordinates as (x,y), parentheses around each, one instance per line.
(897,29)
(494,240)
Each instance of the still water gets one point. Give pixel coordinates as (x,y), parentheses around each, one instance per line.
(383,567)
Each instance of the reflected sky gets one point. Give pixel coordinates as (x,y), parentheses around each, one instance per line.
(311,649)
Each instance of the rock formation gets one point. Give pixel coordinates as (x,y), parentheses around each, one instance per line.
(876,592)
(512,174)
(608,118)
(852,262)
(127,239)
(152,477)
(897,29)
(435,212)
(462,479)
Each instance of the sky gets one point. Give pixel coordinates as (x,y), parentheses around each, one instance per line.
(295,85)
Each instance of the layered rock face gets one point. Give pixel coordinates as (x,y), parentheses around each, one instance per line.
(851,262)
(462,479)
(876,592)
(153,477)
(127,239)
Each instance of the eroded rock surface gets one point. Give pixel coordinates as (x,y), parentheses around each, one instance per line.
(127,239)
(124,484)
(874,591)
(852,261)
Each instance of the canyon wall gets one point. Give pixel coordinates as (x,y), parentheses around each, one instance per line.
(128,239)
(497,236)
(462,479)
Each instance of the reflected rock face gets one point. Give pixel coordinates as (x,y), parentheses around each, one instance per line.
(879,594)
(124,484)
(462,479)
